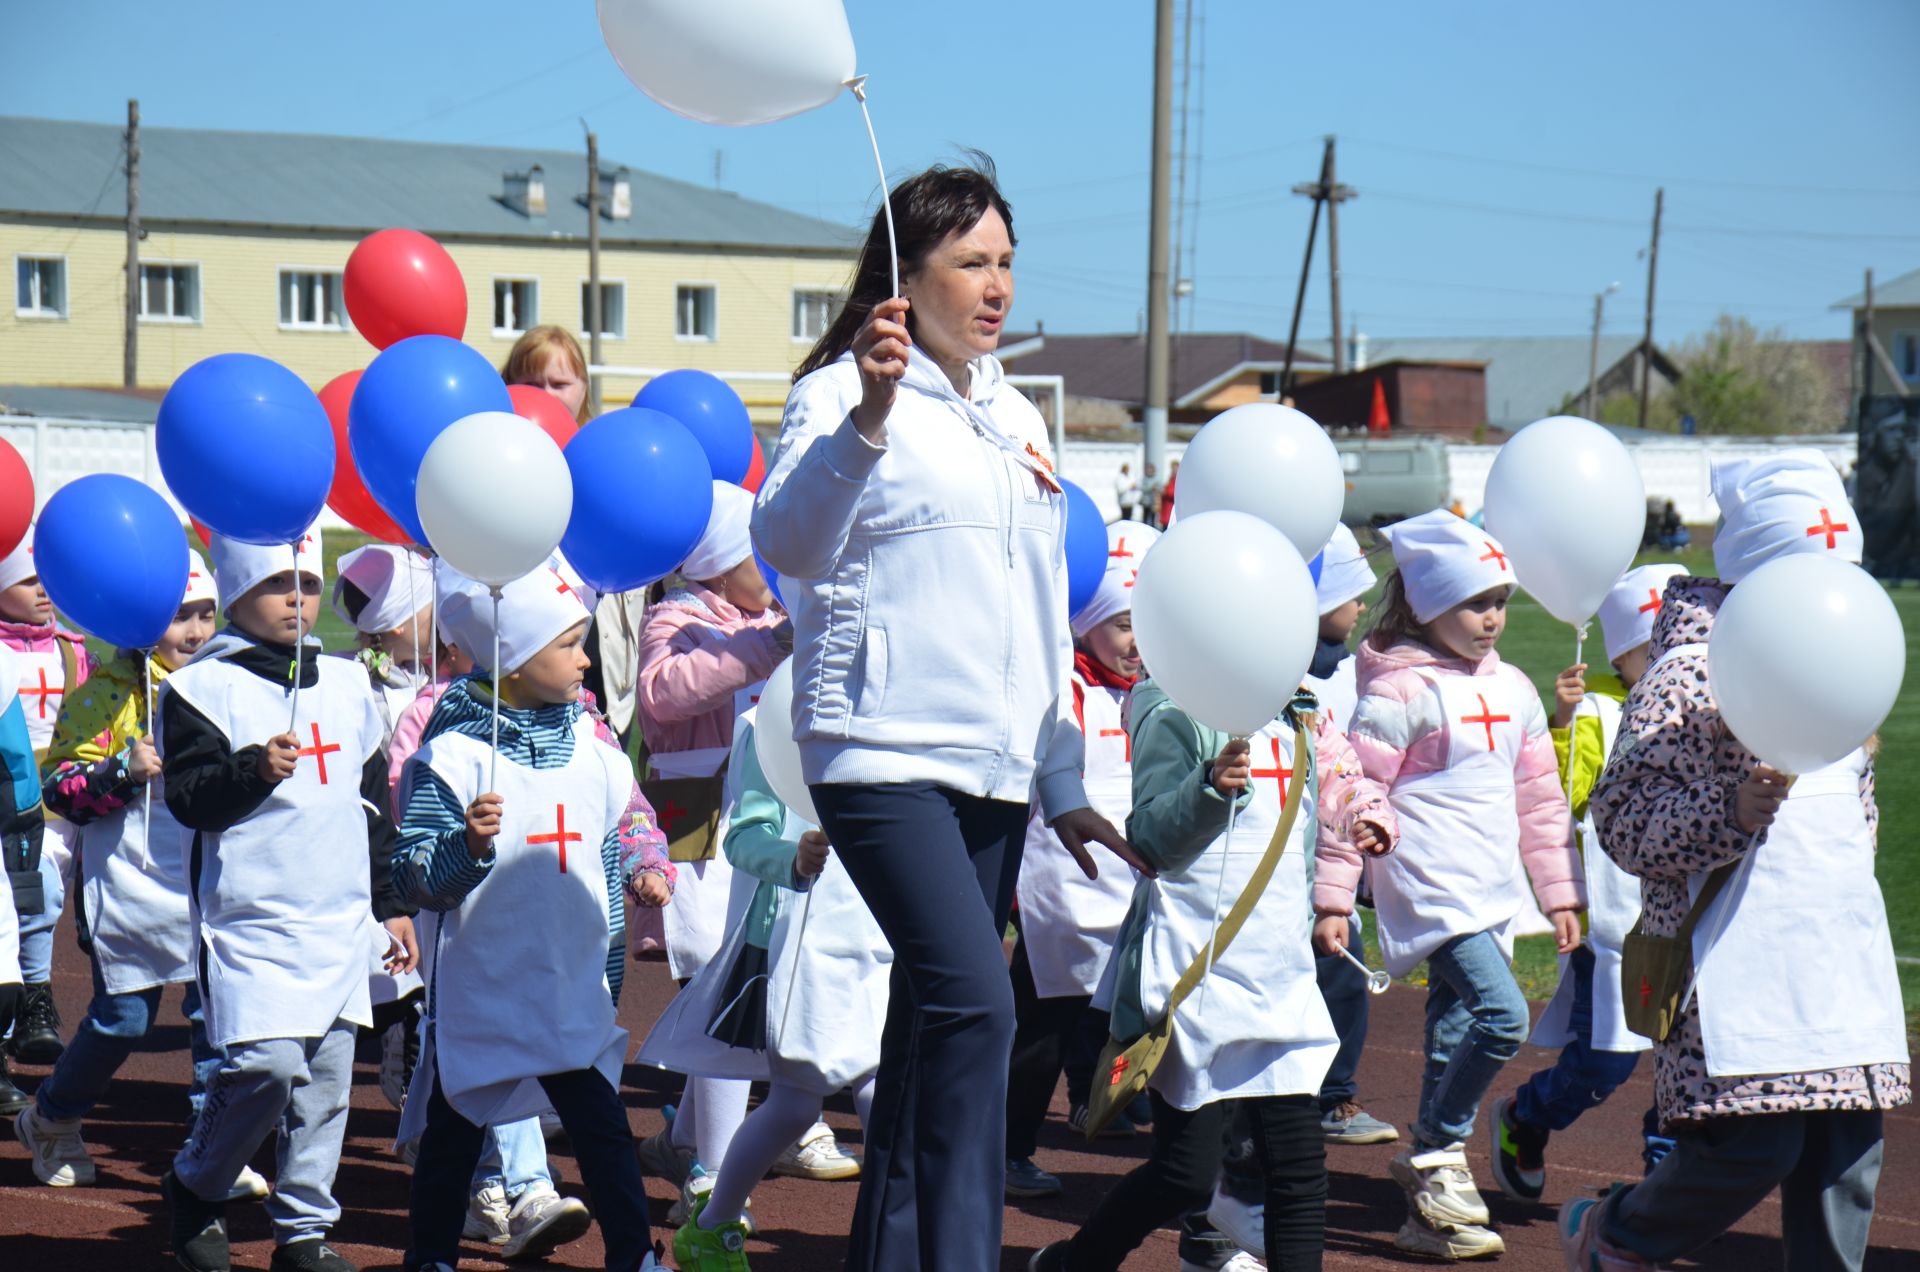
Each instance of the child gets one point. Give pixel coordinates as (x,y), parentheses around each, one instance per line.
(524,922)
(51,661)
(288,860)
(1460,741)
(1345,577)
(385,594)
(705,650)
(102,771)
(1586,1018)
(1778,1073)
(798,997)
(1256,1030)
(1068,922)
(20,830)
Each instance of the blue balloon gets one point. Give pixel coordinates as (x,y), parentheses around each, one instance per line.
(246,448)
(768,573)
(1313,566)
(112,556)
(642,496)
(712,412)
(405,399)
(1086,545)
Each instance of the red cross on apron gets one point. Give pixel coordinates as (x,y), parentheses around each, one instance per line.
(1829,528)
(1653,603)
(1486,718)
(1280,774)
(1495,554)
(44,692)
(318,752)
(1120,733)
(560,837)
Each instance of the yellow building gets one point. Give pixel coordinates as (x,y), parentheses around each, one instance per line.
(246,236)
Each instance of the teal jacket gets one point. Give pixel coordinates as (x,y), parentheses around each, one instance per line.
(755,842)
(1176,815)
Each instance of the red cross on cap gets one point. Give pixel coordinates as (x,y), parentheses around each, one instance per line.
(1495,554)
(1653,603)
(1829,528)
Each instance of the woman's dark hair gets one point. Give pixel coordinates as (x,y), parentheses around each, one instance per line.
(1393,621)
(928,208)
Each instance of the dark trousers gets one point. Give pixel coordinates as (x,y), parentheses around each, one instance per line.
(1583,1076)
(1345,988)
(1044,1030)
(937,870)
(596,1123)
(1178,1177)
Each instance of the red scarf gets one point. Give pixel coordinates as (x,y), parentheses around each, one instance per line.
(1097,673)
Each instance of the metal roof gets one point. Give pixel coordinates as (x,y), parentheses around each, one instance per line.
(1902,293)
(79,404)
(1114,366)
(1528,377)
(354,184)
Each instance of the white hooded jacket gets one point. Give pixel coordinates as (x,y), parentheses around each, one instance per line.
(927,581)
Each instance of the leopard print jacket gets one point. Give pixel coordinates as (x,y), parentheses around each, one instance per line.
(1664,811)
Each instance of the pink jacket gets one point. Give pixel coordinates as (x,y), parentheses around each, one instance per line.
(696,652)
(1396,737)
(1347,797)
(30,638)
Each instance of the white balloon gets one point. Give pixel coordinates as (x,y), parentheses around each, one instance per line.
(774,747)
(1805,660)
(494,495)
(1270,461)
(1226,618)
(732,61)
(1567,502)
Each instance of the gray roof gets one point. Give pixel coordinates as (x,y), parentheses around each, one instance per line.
(354,184)
(1901,293)
(78,404)
(1527,376)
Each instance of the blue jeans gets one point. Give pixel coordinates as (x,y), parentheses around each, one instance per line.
(113,1029)
(36,930)
(1552,1099)
(1476,1021)
(1344,987)
(515,1157)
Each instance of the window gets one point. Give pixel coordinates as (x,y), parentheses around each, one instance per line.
(613,308)
(311,298)
(814,310)
(40,286)
(1270,384)
(170,293)
(693,312)
(1906,355)
(516,305)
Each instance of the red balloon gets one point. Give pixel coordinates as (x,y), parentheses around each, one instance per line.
(532,402)
(199,529)
(349,495)
(756,469)
(16,498)
(401,283)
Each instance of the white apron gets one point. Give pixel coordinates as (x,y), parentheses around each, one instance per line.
(826,992)
(43,689)
(1256,1025)
(1339,694)
(134,881)
(520,987)
(1802,978)
(282,900)
(1613,907)
(679,1041)
(1457,870)
(1068,922)
(696,921)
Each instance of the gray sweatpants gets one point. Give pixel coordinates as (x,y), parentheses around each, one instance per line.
(1826,1166)
(299,1086)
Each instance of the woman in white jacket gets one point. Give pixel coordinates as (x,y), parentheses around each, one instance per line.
(914,517)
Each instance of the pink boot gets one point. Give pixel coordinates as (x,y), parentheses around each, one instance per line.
(1585,1249)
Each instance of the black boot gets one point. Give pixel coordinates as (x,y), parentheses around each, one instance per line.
(36,1030)
(199,1228)
(12,1098)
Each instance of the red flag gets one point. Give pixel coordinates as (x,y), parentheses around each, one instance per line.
(1378,421)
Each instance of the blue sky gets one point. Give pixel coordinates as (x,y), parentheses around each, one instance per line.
(1506,153)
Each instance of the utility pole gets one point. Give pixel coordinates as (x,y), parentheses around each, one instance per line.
(1593,350)
(1329,191)
(130,363)
(1646,341)
(1154,418)
(593,270)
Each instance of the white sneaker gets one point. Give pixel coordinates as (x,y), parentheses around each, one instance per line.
(1439,1185)
(59,1154)
(698,1184)
(1465,1241)
(817,1155)
(541,1222)
(1240,1262)
(250,1186)
(487,1216)
(1243,1224)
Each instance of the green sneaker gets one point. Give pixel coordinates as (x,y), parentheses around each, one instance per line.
(697,1249)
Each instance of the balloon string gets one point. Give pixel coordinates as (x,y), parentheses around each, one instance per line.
(433,625)
(493,759)
(859,86)
(1220,891)
(299,636)
(146,794)
(413,608)
(1573,729)
(799,940)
